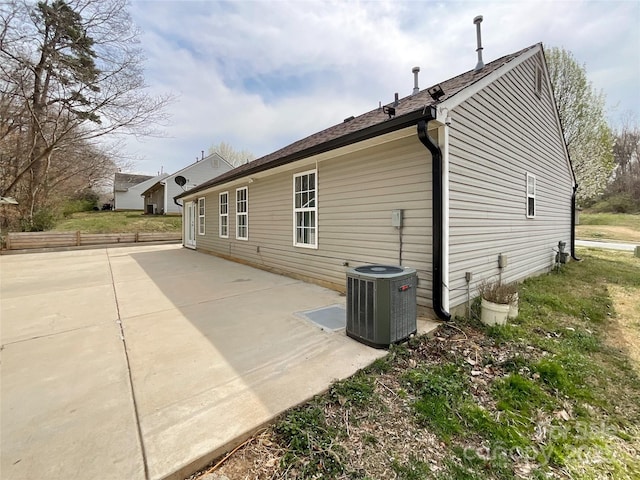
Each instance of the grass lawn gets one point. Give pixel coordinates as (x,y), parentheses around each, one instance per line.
(119,222)
(553,394)
(609,226)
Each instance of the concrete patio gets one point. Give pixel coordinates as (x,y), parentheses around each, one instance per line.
(150,361)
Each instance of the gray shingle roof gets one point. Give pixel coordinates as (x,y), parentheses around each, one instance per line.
(123,181)
(406,106)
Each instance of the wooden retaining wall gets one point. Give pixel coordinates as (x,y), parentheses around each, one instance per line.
(32,240)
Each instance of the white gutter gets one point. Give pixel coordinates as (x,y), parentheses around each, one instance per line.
(445,208)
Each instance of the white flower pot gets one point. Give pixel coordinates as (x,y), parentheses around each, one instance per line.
(513,307)
(494,313)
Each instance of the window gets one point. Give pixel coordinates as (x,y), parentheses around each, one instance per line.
(224,215)
(201,216)
(531,196)
(305,210)
(538,85)
(242,213)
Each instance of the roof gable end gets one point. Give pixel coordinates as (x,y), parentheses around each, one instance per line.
(123,181)
(408,111)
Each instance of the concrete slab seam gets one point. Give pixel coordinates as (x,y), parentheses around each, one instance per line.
(133,392)
(48,335)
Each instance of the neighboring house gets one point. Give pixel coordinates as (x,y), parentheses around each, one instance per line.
(159,195)
(479,171)
(125,195)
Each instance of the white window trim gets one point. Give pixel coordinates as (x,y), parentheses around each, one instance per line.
(223,215)
(530,194)
(246,214)
(201,216)
(307,209)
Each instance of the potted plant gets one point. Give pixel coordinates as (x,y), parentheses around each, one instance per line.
(499,301)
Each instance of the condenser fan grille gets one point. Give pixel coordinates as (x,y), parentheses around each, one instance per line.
(379,269)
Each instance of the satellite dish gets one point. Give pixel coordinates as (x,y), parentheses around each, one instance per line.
(180,180)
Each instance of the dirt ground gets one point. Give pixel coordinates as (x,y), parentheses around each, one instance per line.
(607,232)
(626,332)
(383,434)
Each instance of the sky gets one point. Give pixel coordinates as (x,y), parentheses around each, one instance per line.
(260,75)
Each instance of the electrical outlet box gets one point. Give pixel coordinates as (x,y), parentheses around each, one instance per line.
(396,218)
(502,261)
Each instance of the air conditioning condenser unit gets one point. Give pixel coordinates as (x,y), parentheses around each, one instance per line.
(381,304)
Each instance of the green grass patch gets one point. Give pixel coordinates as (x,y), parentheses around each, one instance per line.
(504,433)
(440,390)
(615,219)
(413,469)
(518,394)
(118,222)
(355,391)
(310,443)
(503,334)
(467,464)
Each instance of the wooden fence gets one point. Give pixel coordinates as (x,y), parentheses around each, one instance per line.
(29,240)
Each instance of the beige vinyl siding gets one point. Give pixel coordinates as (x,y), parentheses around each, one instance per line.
(497,136)
(356,193)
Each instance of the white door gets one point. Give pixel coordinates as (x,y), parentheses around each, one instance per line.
(190,225)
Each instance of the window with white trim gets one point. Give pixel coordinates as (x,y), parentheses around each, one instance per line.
(305,209)
(223,213)
(201,216)
(531,195)
(242,213)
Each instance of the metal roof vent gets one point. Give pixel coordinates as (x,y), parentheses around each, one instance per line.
(415,71)
(477,21)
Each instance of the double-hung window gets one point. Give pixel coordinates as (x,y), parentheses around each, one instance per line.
(242,213)
(305,209)
(531,195)
(224,215)
(201,216)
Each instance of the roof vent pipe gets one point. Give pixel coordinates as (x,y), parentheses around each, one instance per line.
(478,21)
(415,71)
(396,102)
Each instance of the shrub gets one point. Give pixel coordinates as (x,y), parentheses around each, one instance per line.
(79,205)
(619,203)
(42,220)
(497,292)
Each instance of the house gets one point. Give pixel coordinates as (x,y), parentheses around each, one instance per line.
(472,170)
(159,195)
(127,189)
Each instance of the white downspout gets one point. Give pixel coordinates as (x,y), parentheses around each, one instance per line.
(445,209)
(164,207)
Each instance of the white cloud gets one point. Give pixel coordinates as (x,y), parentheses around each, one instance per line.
(260,75)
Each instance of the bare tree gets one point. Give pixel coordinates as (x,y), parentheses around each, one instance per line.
(70,77)
(626,151)
(231,155)
(582,114)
